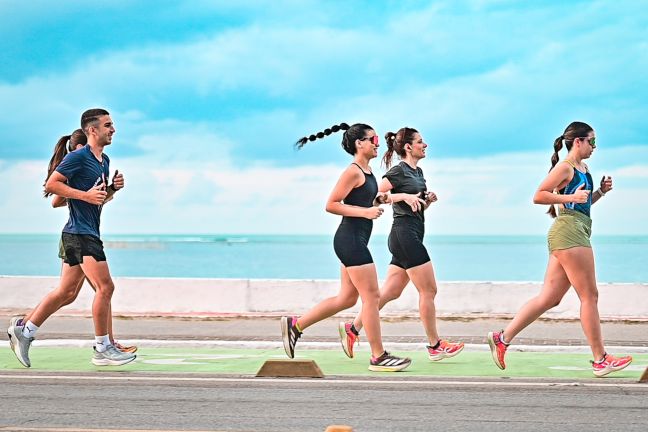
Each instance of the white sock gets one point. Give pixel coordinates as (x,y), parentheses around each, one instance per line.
(29,330)
(102,343)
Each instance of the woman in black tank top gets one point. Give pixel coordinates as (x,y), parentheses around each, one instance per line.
(410,260)
(354,197)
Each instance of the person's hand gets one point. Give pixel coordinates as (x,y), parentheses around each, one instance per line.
(580,195)
(373,212)
(381,198)
(430,197)
(606,184)
(118,181)
(414,202)
(96,195)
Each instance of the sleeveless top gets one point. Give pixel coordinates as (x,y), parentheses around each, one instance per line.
(580,178)
(362,196)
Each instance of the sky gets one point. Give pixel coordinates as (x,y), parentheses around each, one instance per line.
(209,97)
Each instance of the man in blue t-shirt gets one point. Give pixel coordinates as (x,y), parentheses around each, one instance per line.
(82,178)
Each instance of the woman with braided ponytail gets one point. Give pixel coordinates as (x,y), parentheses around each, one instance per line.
(410,261)
(568,186)
(355,197)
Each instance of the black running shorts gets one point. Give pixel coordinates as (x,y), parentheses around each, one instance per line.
(406,243)
(350,242)
(76,246)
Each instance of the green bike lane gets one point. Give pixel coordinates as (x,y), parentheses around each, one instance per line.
(469,363)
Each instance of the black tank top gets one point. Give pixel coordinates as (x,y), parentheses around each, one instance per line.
(362,196)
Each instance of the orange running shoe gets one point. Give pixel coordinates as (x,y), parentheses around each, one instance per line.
(348,338)
(125,349)
(610,364)
(498,348)
(444,350)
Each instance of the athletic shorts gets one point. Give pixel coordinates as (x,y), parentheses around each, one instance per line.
(61,253)
(351,240)
(76,246)
(570,229)
(406,243)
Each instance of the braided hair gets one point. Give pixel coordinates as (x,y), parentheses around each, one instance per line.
(351,134)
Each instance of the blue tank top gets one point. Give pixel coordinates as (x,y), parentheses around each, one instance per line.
(580,178)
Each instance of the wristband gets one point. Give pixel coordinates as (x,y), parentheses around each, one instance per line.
(599,190)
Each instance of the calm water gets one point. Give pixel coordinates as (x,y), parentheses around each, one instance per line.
(455,258)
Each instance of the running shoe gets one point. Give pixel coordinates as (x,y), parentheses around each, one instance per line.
(444,350)
(127,349)
(289,334)
(610,364)
(111,357)
(348,338)
(498,348)
(19,343)
(388,363)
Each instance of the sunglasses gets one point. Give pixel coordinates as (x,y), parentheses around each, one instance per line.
(374,139)
(591,141)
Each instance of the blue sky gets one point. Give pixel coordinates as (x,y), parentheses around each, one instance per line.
(208,98)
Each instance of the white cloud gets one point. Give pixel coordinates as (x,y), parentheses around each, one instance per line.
(487,195)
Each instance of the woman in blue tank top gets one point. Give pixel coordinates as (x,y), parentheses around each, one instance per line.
(355,198)
(568,186)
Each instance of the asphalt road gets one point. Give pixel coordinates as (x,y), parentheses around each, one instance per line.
(41,401)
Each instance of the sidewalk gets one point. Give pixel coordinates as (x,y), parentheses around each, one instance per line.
(399,330)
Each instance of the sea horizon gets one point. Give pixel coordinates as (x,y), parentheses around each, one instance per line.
(487,258)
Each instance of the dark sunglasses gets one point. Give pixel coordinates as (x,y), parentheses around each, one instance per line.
(591,141)
(374,139)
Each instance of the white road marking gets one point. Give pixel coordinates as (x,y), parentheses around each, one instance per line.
(327,382)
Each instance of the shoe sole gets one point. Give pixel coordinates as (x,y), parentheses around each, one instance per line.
(445,355)
(610,370)
(493,348)
(108,362)
(16,347)
(388,368)
(344,341)
(285,335)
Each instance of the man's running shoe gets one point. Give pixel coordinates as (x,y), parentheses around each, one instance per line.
(127,349)
(348,338)
(111,357)
(498,348)
(610,364)
(444,350)
(19,343)
(289,334)
(388,363)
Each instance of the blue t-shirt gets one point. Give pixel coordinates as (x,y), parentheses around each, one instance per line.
(83,171)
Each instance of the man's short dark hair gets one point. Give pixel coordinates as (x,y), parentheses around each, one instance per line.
(91,115)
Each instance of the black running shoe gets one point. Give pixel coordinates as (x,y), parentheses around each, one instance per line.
(289,334)
(388,363)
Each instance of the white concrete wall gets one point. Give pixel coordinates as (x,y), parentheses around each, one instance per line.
(197,297)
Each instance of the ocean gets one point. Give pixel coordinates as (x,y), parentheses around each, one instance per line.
(455,258)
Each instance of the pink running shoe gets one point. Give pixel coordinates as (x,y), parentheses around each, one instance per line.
(498,348)
(610,364)
(444,350)
(348,338)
